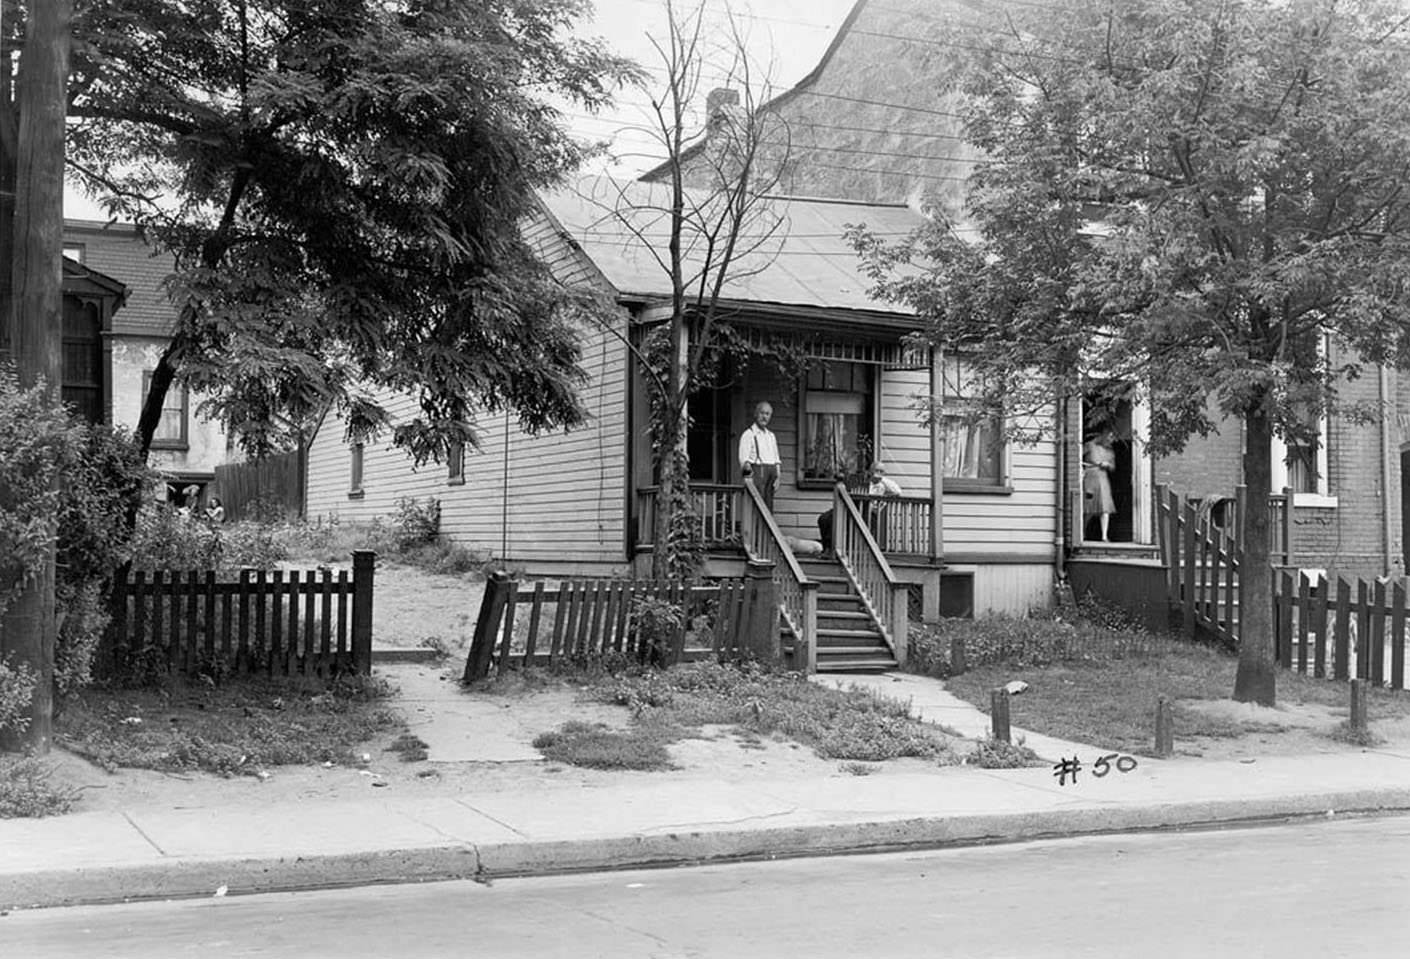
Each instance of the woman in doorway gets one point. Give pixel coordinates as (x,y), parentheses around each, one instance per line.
(1098,462)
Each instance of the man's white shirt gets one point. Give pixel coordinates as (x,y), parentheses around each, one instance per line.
(757,445)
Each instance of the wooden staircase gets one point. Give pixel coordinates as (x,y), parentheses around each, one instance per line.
(848,639)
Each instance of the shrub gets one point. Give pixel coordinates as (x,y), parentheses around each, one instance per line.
(655,624)
(996,754)
(26,790)
(165,539)
(16,689)
(416,524)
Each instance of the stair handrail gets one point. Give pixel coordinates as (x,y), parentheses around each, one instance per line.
(797,594)
(885,597)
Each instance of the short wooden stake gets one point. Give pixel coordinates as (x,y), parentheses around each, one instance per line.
(999,714)
(957,658)
(1164,728)
(1358,704)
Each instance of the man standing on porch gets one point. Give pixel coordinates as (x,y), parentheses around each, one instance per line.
(758,454)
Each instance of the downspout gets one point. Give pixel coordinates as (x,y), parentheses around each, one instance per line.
(937,458)
(1386,559)
(1060,533)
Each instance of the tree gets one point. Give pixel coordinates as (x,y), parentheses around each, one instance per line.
(31,308)
(1187,194)
(719,227)
(341,182)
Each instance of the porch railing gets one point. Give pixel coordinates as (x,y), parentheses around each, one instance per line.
(885,596)
(797,594)
(717,510)
(901,524)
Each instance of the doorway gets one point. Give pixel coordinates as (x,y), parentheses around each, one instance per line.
(1111,410)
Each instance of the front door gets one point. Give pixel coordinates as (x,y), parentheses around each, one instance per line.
(1113,415)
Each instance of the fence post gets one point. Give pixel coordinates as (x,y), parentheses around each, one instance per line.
(364,561)
(1358,705)
(999,714)
(762,638)
(1164,728)
(477,664)
(958,665)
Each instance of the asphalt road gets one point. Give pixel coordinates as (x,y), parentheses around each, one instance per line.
(1314,889)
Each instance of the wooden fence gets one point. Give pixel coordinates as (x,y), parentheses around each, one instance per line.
(275,481)
(1327,631)
(295,623)
(532,624)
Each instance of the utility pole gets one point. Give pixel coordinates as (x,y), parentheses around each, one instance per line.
(33,315)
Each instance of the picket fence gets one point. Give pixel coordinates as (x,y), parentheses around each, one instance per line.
(1325,630)
(593,618)
(311,623)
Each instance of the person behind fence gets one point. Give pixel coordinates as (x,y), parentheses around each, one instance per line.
(879,484)
(758,454)
(215,512)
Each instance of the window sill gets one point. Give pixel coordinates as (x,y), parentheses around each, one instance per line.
(354,494)
(176,446)
(967,489)
(1314,501)
(456,481)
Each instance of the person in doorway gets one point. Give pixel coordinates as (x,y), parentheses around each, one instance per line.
(758,454)
(1098,462)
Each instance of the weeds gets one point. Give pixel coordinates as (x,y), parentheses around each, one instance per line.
(1355,735)
(597,746)
(236,729)
(26,790)
(996,754)
(410,747)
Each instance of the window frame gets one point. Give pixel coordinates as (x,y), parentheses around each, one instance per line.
(955,405)
(356,469)
(167,443)
(1279,472)
(455,465)
(868,417)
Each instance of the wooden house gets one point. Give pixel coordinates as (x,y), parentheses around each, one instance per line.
(974,532)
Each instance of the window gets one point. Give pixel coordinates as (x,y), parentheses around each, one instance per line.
(837,421)
(74,251)
(355,470)
(455,464)
(1300,462)
(171,432)
(973,434)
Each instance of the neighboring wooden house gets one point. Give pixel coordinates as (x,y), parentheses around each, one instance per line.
(875,121)
(844,393)
(117,320)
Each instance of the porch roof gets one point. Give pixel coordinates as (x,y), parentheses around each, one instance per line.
(805,261)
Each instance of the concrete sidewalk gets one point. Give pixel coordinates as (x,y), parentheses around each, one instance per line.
(145,853)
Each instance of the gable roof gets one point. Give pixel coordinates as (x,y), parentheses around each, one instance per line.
(81,280)
(119,251)
(806,262)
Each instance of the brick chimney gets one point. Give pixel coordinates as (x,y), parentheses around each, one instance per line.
(718,104)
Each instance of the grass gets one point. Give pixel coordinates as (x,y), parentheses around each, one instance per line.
(26,790)
(411,748)
(239,728)
(1099,685)
(668,705)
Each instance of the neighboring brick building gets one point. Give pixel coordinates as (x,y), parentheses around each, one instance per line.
(875,122)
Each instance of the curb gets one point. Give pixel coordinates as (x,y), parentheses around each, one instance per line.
(198,878)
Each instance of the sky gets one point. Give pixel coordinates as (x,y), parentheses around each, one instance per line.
(785,38)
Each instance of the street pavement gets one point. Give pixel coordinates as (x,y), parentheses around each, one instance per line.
(1326,888)
(146,852)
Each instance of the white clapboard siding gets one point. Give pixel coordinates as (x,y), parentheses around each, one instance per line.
(1021,521)
(557,497)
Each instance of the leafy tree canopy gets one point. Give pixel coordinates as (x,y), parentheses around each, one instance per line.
(342,183)
(1181,193)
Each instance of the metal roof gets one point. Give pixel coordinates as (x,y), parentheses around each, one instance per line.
(796,253)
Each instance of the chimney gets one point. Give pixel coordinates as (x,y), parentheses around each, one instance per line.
(718,104)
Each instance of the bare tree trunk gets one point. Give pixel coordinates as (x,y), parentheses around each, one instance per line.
(1256,680)
(35,315)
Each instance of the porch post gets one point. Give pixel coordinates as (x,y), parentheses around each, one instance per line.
(937,457)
